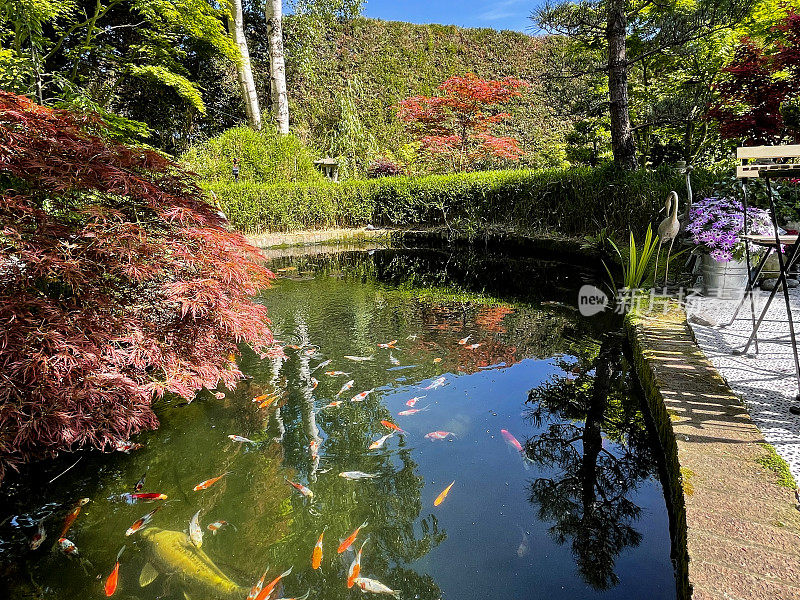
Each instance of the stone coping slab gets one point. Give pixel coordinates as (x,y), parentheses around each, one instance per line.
(736,532)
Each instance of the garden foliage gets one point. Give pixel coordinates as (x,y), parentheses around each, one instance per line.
(118,284)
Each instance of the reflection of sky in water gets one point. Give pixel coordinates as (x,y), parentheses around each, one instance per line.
(484,541)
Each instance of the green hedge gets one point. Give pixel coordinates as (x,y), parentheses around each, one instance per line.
(577,201)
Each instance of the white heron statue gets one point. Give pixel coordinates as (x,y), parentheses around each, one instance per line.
(668,230)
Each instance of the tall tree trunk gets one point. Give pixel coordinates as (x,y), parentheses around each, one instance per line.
(622,142)
(277,68)
(244,70)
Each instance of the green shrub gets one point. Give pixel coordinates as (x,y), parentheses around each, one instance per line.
(566,202)
(264,157)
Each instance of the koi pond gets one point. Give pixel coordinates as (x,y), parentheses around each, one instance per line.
(432,425)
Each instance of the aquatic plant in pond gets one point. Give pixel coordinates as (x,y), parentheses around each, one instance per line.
(717,224)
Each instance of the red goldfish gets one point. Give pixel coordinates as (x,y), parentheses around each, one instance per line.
(391,425)
(316,554)
(440,498)
(350,539)
(208,483)
(113,578)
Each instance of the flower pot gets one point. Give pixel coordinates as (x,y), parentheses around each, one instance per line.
(724,279)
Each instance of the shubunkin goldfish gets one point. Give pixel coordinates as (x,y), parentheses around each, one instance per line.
(362,396)
(345,387)
(439,435)
(375,587)
(388,344)
(335,373)
(140,523)
(301,488)
(391,425)
(411,411)
(380,441)
(355,567)
(316,554)
(111,581)
(350,539)
(440,498)
(414,400)
(208,483)
(265,593)
(195,531)
(437,383)
(511,440)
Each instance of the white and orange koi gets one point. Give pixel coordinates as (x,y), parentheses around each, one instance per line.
(127,446)
(411,411)
(204,485)
(356,475)
(440,498)
(437,360)
(393,360)
(267,591)
(348,541)
(473,346)
(379,442)
(345,387)
(436,383)
(362,396)
(375,587)
(333,404)
(239,438)
(414,400)
(314,383)
(359,358)
(217,525)
(195,531)
(67,547)
(388,345)
(310,352)
(335,373)
(307,493)
(257,586)
(219,395)
(355,567)
(322,365)
(463,341)
(140,523)
(439,435)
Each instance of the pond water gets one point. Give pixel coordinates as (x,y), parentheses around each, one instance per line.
(498,359)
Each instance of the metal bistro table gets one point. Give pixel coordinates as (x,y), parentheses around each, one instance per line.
(770,162)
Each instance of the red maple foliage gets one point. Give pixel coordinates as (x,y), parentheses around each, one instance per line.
(118,283)
(457,126)
(756,94)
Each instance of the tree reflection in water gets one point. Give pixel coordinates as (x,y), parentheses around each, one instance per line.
(596,442)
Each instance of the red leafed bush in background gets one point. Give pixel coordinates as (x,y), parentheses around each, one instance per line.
(383,167)
(458,125)
(118,283)
(760,97)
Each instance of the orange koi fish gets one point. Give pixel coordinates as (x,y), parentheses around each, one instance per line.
(334,404)
(437,360)
(362,396)
(111,582)
(355,567)
(316,554)
(140,523)
(265,593)
(345,387)
(73,514)
(208,483)
(439,435)
(440,498)
(411,411)
(268,401)
(391,425)
(512,441)
(254,591)
(261,398)
(350,539)
(414,400)
(301,488)
(386,345)
(463,341)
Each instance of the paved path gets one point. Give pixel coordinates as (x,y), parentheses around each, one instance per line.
(739,528)
(765,381)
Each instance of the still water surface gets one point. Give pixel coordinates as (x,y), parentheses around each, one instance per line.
(580,513)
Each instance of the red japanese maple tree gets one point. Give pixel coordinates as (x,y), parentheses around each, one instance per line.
(761,84)
(458,125)
(118,283)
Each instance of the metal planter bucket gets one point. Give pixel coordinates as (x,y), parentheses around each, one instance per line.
(723,279)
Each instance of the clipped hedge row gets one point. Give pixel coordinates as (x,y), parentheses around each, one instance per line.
(577,201)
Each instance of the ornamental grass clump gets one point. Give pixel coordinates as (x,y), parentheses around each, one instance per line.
(717,224)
